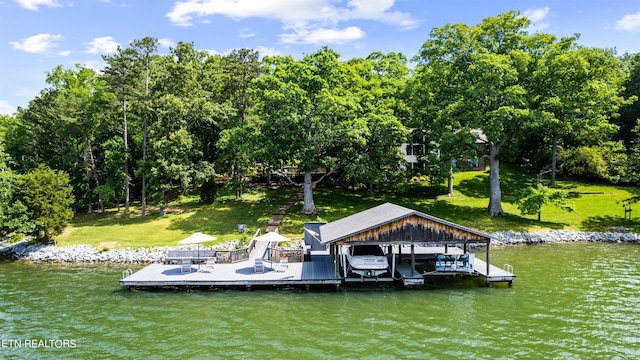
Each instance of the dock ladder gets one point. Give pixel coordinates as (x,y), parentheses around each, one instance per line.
(127,273)
(508,268)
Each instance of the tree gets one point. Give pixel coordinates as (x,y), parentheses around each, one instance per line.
(120,74)
(486,68)
(80,99)
(47,196)
(184,121)
(533,198)
(145,48)
(13,213)
(374,157)
(630,112)
(308,112)
(442,126)
(237,143)
(577,90)
(169,162)
(237,153)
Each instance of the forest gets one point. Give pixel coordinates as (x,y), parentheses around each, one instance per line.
(149,127)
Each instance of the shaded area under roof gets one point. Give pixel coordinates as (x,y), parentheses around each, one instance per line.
(391,223)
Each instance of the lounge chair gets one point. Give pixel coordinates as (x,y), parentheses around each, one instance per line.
(258,265)
(186,266)
(210,263)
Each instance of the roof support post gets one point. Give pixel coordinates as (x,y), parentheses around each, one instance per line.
(488,264)
(413,259)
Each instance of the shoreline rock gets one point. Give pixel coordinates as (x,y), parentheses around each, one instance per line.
(26,251)
(560,236)
(88,254)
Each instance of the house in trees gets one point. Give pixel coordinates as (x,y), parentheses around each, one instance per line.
(417,152)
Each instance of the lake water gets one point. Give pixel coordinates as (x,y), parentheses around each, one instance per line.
(570,301)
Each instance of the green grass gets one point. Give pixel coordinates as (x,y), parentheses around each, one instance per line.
(183,218)
(597,208)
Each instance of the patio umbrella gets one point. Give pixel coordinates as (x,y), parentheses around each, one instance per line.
(272,237)
(197,238)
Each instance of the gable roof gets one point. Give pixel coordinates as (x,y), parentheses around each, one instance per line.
(391,218)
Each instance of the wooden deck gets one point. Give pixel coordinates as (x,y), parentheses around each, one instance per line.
(495,275)
(318,271)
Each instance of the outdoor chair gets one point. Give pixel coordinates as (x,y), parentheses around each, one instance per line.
(186,266)
(283,265)
(258,265)
(210,263)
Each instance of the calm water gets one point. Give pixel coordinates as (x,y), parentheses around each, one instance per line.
(573,301)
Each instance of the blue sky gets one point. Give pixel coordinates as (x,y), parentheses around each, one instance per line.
(37,35)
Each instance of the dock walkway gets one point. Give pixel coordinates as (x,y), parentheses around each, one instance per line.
(318,271)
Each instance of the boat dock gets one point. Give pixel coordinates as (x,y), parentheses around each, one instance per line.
(318,271)
(417,246)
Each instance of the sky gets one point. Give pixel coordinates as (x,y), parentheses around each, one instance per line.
(38,35)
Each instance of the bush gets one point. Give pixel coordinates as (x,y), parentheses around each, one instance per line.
(208,191)
(605,162)
(47,196)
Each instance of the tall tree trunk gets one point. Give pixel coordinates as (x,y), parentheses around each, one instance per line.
(554,156)
(87,172)
(92,173)
(450,181)
(143,201)
(96,177)
(162,203)
(309,207)
(495,194)
(126,158)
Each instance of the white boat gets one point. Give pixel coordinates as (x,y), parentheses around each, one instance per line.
(367,260)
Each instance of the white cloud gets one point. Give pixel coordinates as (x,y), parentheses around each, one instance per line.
(323,36)
(166,42)
(37,43)
(102,45)
(310,20)
(629,22)
(265,51)
(34,4)
(6,108)
(246,33)
(94,65)
(64,53)
(538,18)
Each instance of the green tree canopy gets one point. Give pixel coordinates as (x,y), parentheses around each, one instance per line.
(47,196)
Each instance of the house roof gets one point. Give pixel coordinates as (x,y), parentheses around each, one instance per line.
(394,223)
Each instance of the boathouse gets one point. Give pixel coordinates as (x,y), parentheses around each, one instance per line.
(397,228)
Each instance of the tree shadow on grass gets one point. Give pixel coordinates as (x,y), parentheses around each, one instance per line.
(610,224)
(478,218)
(512,181)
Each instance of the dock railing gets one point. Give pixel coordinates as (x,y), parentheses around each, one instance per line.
(294,254)
(237,255)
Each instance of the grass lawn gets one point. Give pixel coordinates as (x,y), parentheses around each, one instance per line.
(597,208)
(183,218)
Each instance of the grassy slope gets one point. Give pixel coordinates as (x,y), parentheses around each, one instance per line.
(183,218)
(595,210)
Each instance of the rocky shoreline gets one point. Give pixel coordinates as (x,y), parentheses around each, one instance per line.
(87,254)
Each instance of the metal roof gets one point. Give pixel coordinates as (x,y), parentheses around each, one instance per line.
(376,217)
